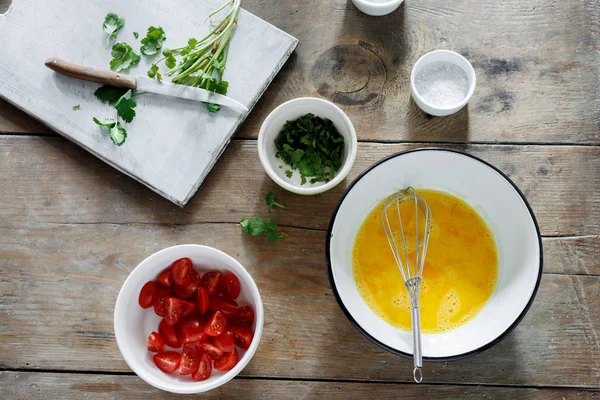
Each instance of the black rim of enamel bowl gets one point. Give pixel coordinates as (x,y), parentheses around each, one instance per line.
(409,355)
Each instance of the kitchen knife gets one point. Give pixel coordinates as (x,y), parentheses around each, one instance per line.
(141,83)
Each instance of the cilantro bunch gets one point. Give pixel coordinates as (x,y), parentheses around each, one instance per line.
(202,62)
(311,145)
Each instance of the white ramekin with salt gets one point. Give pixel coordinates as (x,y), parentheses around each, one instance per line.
(442,82)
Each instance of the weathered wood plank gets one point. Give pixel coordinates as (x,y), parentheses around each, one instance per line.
(536,62)
(59,284)
(574,255)
(51,180)
(47,386)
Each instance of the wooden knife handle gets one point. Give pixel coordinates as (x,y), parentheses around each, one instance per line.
(93,74)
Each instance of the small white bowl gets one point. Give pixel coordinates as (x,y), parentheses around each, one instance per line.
(497,200)
(377,8)
(292,110)
(449,57)
(133,324)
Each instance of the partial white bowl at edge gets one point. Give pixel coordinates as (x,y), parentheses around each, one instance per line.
(292,110)
(377,8)
(133,324)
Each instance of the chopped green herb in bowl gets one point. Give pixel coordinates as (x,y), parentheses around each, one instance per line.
(307,145)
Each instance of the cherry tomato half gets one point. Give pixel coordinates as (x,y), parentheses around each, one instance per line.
(208,348)
(227,307)
(242,336)
(155,343)
(182,271)
(227,362)
(229,286)
(210,281)
(164,278)
(160,303)
(216,324)
(202,301)
(176,309)
(167,361)
(146,298)
(224,342)
(184,292)
(192,330)
(169,334)
(204,368)
(245,316)
(189,361)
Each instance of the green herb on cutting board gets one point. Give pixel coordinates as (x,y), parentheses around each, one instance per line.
(122,100)
(202,62)
(270,199)
(117,133)
(77,107)
(124,57)
(136,35)
(153,41)
(311,145)
(111,26)
(259,227)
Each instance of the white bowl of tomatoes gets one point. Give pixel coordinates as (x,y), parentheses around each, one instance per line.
(188,319)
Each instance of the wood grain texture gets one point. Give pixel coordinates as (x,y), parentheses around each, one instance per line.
(51,180)
(59,283)
(49,386)
(172,143)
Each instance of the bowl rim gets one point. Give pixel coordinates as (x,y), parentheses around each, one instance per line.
(229,375)
(344,170)
(402,353)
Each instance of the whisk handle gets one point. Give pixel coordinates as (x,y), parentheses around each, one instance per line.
(417,356)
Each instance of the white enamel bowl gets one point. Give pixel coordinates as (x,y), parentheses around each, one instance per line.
(495,198)
(133,324)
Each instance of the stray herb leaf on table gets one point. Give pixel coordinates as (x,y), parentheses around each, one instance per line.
(136,35)
(258,227)
(124,57)
(109,94)
(125,106)
(153,41)
(270,199)
(111,26)
(122,100)
(311,145)
(117,133)
(77,107)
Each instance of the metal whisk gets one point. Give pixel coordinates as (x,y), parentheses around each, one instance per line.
(401,247)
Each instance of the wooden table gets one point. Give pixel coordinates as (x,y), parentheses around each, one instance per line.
(72,228)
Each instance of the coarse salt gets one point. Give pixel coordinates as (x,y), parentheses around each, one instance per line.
(442,84)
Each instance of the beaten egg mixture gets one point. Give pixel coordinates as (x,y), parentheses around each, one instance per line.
(461,265)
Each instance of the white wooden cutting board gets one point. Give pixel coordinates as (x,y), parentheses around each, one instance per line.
(172,144)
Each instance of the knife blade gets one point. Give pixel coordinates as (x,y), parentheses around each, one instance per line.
(108,77)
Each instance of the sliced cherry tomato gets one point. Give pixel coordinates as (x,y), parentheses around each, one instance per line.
(169,334)
(216,324)
(167,361)
(242,336)
(227,307)
(203,300)
(229,286)
(160,303)
(189,361)
(192,330)
(204,368)
(224,342)
(184,292)
(209,349)
(146,298)
(210,281)
(155,343)
(245,316)
(164,278)
(176,309)
(182,271)
(227,362)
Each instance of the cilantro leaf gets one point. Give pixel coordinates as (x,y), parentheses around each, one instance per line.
(152,43)
(117,133)
(259,227)
(213,108)
(123,57)
(153,72)
(170,61)
(125,106)
(270,199)
(109,94)
(111,26)
(77,107)
(136,35)
(289,173)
